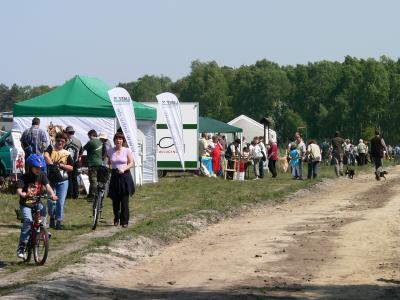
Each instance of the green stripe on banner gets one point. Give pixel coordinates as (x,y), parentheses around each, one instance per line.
(185,126)
(176,164)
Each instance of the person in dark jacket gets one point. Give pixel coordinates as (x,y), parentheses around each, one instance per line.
(121,182)
(95,153)
(337,153)
(378,148)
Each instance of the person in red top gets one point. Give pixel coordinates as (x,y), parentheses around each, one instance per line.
(216,156)
(272,157)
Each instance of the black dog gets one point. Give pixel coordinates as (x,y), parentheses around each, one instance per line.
(380,174)
(350,173)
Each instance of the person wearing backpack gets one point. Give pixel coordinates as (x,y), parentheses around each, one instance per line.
(34,139)
(74,147)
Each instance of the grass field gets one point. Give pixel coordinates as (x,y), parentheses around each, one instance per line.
(154,207)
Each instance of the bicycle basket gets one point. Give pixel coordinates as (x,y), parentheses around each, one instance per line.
(103,174)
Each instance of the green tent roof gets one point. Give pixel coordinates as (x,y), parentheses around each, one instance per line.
(80,96)
(211,125)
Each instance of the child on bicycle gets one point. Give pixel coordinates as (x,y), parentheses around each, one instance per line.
(31,184)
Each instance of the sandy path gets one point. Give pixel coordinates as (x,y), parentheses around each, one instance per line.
(338,241)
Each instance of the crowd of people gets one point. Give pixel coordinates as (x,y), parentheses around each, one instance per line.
(339,152)
(239,156)
(53,167)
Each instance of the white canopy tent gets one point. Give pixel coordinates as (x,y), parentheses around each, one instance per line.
(252,128)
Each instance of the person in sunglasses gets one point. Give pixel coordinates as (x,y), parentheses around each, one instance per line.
(59,163)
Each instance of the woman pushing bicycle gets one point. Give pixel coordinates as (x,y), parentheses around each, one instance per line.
(31,185)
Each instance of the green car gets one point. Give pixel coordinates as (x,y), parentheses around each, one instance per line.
(6,145)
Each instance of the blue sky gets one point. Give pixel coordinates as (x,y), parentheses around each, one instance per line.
(49,41)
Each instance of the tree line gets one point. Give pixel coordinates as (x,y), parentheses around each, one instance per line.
(354,96)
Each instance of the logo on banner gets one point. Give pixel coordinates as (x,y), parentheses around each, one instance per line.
(170,107)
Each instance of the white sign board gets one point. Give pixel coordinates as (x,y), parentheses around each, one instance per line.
(169,104)
(167,156)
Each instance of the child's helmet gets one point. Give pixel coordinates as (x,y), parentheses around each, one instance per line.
(35,160)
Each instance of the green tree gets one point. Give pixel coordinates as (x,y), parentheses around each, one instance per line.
(207,85)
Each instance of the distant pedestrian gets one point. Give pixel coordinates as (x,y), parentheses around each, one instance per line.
(95,153)
(34,139)
(74,147)
(301,148)
(325,153)
(294,161)
(272,157)
(231,154)
(378,148)
(257,157)
(103,137)
(337,144)
(216,156)
(314,157)
(264,156)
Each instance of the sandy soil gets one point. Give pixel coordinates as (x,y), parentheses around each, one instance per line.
(338,241)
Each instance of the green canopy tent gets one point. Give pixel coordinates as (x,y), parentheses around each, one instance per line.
(83,102)
(211,125)
(79,96)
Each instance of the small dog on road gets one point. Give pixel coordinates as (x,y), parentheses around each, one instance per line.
(350,173)
(380,174)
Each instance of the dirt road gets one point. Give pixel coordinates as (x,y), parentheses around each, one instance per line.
(338,241)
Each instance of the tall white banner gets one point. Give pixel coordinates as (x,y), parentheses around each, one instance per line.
(169,105)
(122,104)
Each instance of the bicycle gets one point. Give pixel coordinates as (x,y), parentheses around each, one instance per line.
(103,174)
(38,242)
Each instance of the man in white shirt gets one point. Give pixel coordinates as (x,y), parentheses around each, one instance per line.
(263,155)
(256,155)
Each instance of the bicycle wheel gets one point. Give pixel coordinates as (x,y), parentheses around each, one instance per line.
(41,246)
(96,210)
(28,251)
